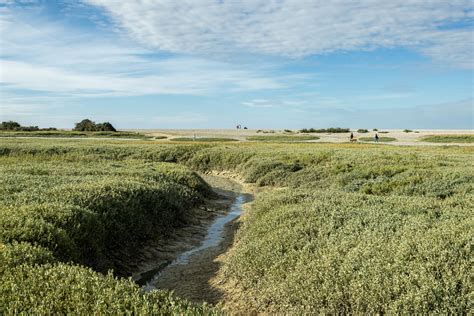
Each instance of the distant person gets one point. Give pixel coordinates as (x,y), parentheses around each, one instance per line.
(352,136)
(376,137)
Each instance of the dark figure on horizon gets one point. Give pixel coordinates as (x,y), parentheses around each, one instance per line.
(376,137)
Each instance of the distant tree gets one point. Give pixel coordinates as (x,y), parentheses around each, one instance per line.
(85,126)
(106,127)
(10,126)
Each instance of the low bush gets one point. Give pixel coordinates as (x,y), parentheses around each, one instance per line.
(282,138)
(362,130)
(65,289)
(15,254)
(321,251)
(326,130)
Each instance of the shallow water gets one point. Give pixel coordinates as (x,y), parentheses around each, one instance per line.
(215,235)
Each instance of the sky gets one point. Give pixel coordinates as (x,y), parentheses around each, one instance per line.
(260,63)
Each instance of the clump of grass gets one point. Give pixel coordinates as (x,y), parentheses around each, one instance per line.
(381,139)
(325,130)
(407,131)
(362,130)
(469,138)
(204,139)
(282,138)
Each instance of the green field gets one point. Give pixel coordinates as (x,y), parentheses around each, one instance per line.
(338,229)
(282,138)
(381,139)
(203,139)
(448,138)
(73,134)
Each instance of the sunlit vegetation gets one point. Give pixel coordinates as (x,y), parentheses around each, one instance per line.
(326,130)
(282,138)
(72,134)
(381,139)
(449,138)
(340,229)
(203,139)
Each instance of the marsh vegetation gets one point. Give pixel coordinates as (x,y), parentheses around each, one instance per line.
(339,228)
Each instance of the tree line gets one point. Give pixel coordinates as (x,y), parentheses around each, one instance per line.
(82,126)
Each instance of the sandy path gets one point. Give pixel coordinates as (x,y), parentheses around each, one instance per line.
(402,138)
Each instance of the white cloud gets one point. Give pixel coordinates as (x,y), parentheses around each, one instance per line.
(42,56)
(298,27)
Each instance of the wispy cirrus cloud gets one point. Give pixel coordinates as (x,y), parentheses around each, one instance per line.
(298,27)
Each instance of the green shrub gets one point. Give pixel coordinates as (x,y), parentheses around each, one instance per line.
(362,130)
(16,254)
(65,289)
(319,251)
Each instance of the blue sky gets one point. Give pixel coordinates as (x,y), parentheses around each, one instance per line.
(260,63)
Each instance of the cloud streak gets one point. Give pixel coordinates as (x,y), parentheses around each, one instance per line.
(298,28)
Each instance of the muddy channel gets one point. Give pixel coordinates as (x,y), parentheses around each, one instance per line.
(186,262)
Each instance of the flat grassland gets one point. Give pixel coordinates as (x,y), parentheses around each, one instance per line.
(337,228)
(72,134)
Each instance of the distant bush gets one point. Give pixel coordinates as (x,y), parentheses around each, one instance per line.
(15,126)
(362,130)
(90,126)
(10,126)
(325,130)
(288,131)
(375,130)
(204,139)
(407,130)
(282,138)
